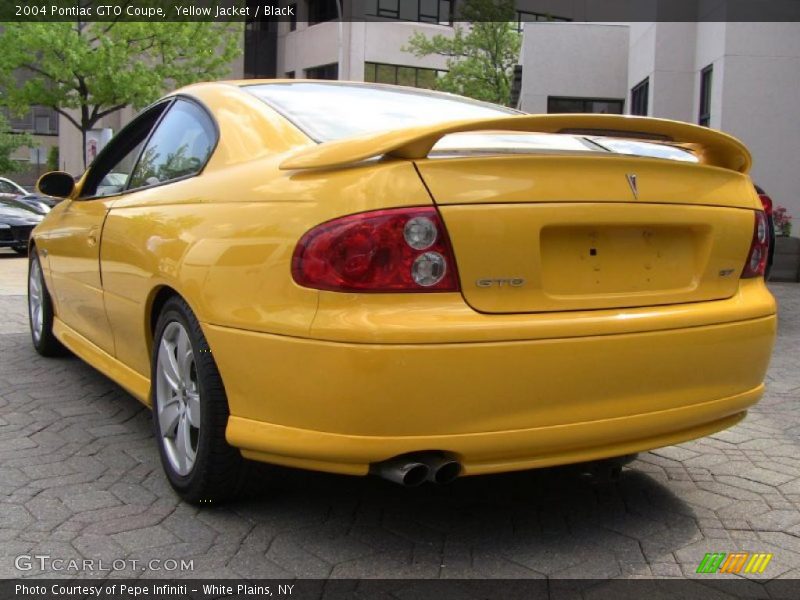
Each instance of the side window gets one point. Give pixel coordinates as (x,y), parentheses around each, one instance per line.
(7,188)
(109,173)
(117,177)
(180,146)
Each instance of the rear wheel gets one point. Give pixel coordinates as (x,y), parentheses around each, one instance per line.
(40,311)
(190,411)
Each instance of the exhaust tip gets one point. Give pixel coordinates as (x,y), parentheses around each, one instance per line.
(446,473)
(411,470)
(415,475)
(409,473)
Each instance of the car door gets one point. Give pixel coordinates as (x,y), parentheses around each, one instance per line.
(141,228)
(75,236)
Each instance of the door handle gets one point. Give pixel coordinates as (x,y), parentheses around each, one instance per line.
(91,238)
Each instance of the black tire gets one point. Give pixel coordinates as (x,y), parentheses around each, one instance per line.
(22,250)
(45,343)
(219,471)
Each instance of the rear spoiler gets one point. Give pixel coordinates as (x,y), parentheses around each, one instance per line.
(711,147)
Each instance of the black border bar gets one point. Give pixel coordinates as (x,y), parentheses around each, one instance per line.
(702,588)
(358,10)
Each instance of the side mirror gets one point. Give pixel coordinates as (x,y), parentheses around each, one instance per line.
(57,184)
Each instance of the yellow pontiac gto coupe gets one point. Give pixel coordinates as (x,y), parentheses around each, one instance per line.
(360,278)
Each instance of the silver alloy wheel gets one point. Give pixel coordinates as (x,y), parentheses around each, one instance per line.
(35,299)
(178,398)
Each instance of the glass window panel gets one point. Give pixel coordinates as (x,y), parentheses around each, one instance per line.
(429,11)
(605,107)
(565,105)
(407,76)
(329,111)
(409,10)
(445,15)
(385,74)
(426,78)
(114,181)
(389,8)
(179,146)
(330,71)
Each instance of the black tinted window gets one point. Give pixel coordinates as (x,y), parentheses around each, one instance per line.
(180,146)
(114,181)
(109,172)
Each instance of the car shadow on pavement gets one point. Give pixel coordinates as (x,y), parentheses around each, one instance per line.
(547,522)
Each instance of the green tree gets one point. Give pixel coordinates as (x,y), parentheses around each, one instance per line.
(10,143)
(86,71)
(52,159)
(481,54)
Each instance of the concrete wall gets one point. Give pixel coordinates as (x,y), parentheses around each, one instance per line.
(384,42)
(373,41)
(572,59)
(711,40)
(308,47)
(664,53)
(760,93)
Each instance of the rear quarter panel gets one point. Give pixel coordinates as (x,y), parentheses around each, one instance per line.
(224,241)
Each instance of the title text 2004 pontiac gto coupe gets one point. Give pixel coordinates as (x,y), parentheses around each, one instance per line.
(358,278)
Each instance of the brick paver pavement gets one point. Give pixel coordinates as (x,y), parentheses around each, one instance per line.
(80,478)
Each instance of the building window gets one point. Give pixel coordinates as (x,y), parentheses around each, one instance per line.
(292,17)
(39,120)
(320,11)
(561,104)
(704,116)
(424,11)
(516,87)
(524,16)
(260,48)
(330,71)
(400,75)
(640,97)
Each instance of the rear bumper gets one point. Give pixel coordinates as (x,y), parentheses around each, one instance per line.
(499,406)
(496,451)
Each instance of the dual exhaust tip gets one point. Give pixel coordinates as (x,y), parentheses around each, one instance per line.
(412,470)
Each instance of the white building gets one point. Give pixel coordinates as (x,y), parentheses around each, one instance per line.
(741,78)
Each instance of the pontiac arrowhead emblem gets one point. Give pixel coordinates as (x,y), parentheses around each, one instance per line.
(631,177)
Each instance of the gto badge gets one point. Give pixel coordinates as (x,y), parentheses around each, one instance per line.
(631,177)
(501,282)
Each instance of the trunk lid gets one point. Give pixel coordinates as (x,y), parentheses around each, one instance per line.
(569,232)
(555,226)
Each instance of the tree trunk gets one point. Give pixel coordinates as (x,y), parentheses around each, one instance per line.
(83,146)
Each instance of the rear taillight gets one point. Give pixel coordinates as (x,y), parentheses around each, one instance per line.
(766,202)
(396,250)
(759,248)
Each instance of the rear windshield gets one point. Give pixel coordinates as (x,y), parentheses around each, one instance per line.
(330,111)
(649,149)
